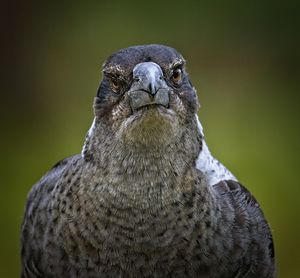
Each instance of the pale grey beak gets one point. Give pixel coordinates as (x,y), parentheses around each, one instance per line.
(148,87)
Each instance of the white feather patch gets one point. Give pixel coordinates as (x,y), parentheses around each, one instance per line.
(213,170)
(90,131)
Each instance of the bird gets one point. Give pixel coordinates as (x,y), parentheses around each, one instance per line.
(145,197)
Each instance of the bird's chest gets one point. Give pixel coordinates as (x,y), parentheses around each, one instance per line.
(131,224)
(111,229)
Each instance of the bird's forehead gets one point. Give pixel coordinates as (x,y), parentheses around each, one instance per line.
(125,60)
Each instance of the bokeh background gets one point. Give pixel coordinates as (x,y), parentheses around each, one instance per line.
(243,57)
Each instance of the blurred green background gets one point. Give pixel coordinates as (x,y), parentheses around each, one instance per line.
(243,58)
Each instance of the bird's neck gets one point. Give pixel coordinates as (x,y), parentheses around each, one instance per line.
(144,173)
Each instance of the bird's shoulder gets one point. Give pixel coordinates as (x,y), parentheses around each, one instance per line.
(248,220)
(237,191)
(42,189)
(36,217)
(239,197)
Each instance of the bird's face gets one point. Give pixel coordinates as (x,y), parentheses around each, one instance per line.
(145,95)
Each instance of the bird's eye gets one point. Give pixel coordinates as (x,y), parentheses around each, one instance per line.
(177,76)
(115,84)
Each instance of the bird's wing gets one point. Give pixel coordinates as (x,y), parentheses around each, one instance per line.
(250,220)
(37,201)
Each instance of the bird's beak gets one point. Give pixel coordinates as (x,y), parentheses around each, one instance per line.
(148,87)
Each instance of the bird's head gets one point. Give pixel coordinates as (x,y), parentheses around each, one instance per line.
(145,97)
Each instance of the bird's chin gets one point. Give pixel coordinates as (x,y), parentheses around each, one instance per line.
(150,124)
(152,115)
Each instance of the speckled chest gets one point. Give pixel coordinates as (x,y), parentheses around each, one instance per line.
(148,226)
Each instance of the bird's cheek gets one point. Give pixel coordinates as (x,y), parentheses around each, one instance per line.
(190,100)
(177,105)
(120,113)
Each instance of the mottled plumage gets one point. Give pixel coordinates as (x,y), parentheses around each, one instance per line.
(145,198)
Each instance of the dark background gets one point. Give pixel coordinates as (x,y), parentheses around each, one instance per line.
(243,57)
